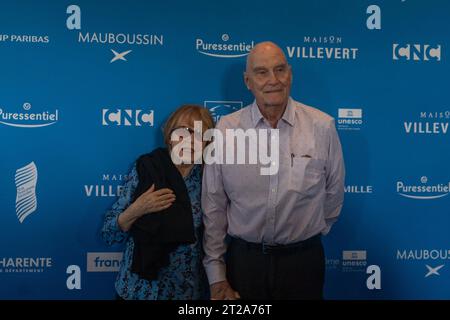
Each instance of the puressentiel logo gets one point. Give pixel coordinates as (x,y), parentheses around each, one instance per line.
(104,261)
(127,117)
(26,181)
(423,190)
(27,118)
(354,260)
(24,264)
(222,108)
(350,119)
(226,48)
(416,52)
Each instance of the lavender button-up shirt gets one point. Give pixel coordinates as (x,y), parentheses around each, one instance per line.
(302,199)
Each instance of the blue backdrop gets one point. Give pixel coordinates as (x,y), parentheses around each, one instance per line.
(86,85)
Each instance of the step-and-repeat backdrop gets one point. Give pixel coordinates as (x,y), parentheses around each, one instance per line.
(85,87)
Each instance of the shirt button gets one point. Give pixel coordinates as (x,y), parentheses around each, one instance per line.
(273,163)
(273,190)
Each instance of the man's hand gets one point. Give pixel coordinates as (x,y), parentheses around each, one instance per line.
(223,291)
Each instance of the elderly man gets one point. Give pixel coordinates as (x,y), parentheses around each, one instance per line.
(262,235)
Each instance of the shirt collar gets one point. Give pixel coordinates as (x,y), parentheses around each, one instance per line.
(288,115)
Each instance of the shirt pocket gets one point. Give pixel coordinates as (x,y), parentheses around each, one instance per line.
(307,175)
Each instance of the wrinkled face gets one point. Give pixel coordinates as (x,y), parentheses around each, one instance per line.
(268,76)
(185,137)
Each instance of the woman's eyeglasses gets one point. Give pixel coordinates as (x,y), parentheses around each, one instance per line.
(185,131)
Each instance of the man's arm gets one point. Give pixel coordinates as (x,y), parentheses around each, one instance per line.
(335,177)
(214,205)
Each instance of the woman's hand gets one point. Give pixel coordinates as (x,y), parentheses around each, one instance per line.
(148,202)
(153,201)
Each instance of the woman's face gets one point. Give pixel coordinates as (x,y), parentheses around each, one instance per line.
(186,140)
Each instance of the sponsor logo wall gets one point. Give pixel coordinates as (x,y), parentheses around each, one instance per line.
(86,88)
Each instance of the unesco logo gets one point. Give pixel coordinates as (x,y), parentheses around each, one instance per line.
(350,119)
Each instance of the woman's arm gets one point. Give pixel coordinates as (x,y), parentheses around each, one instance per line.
(148,202)
(111,231)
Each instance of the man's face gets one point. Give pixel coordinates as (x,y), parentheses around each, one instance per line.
(269,77)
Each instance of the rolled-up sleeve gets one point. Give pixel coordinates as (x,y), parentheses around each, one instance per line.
(335,177)
(111,232)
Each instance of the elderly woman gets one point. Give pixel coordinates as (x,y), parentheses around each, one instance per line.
(159,217)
